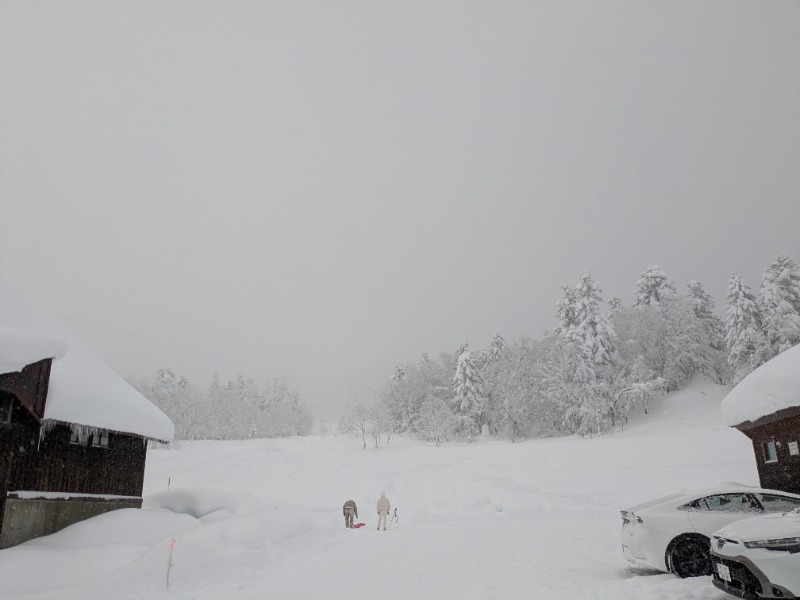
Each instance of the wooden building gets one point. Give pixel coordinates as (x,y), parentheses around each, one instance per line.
(73,434)
(765,406)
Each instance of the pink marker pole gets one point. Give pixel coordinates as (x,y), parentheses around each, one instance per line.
(171,546)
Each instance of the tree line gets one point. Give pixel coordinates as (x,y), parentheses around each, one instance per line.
(586,374)
(236,409)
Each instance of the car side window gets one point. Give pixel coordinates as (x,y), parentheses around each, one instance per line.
(732,503)
(773,503)
(699,504)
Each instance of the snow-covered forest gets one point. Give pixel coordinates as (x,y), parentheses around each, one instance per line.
(234,410)
(586,374)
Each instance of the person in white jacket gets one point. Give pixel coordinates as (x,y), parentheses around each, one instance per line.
(383,510)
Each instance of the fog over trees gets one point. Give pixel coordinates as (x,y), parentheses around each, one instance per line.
(584,376)
(596,364)
(236,409)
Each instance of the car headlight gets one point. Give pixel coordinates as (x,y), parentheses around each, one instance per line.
(791,544)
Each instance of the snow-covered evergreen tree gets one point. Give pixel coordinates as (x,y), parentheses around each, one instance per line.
(403,397)
(714,363)
(519,407)
(239,409)
(566,312)
(469,394)
(614,304)
(247,391)
(424,359)
(496,346)
(748,347)
(434,381)
(278,394)
(399,373)
(653,287)
(703,307)
(569,380)
(180,401)
(588,346)
(780,304)
(592,330)
(685,340)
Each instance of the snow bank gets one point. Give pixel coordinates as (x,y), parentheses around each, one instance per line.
(19,348)
(773,386)
(197,502)
(83,390)
(263,518)
(132,526)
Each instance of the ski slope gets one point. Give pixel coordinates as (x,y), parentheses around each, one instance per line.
(262,518)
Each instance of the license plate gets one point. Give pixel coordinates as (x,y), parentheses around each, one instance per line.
(724,572)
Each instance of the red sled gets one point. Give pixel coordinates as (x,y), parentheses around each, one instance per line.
(355,525)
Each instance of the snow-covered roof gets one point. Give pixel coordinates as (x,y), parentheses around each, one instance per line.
(773,386)
(83,390)
(19,348)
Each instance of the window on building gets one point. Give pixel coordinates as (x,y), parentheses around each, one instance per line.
(100,440)
(79,437)
(96,439)
(770,451)
(6,406)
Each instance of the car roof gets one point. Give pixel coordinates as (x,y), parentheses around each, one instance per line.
(688,495)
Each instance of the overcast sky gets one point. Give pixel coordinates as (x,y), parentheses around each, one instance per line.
(321,189)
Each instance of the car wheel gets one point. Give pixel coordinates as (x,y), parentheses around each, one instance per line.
(689,557)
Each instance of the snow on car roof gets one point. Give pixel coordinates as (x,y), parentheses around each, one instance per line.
(722,488)
(773,386)
(655,502)
(83,390)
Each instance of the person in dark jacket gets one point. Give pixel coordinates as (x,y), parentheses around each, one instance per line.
(349,510)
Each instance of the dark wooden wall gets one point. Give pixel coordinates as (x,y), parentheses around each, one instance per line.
(58,466)
(785,473)
(55,465)
(29,386)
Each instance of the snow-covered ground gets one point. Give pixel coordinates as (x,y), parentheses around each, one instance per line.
(262,518)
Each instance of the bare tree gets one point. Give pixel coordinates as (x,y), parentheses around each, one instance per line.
(357,421)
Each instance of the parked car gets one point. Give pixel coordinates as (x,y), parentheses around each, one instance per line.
(672,533)
(759,557)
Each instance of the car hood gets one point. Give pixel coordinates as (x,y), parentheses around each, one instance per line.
(766,527)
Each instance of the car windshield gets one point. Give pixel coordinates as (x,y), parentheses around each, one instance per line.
(773,503)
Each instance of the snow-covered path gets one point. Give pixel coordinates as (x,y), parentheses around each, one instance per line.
(482,520)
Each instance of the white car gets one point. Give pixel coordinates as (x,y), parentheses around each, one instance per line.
(672,534)
(759,557)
